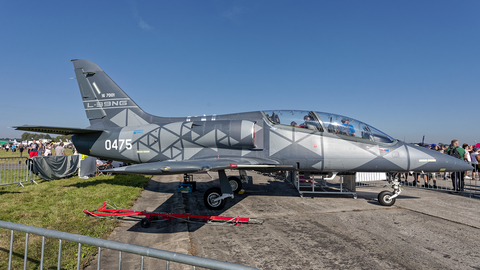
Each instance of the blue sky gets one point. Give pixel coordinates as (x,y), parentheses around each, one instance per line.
(408,68)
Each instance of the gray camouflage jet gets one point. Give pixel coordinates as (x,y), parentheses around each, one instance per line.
(271,140)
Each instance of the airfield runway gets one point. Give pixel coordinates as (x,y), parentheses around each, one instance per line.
(425,229)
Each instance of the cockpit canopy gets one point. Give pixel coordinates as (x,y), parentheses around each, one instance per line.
(331,123)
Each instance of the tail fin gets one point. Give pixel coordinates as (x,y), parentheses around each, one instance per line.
(106,105)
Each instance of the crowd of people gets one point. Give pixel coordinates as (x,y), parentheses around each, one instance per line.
(37,148)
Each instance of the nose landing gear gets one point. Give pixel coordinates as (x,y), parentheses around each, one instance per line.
(387,198)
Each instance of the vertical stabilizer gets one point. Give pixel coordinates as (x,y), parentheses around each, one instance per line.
(106,104)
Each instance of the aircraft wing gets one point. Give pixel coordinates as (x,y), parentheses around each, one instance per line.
(57,130)
(200,165)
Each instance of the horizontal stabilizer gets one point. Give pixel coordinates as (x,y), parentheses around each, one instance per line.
(57,130)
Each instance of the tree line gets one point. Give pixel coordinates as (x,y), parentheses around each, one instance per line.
(26,136)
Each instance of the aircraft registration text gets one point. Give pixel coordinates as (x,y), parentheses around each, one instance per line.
(118,144)
(108,95)
(105,104)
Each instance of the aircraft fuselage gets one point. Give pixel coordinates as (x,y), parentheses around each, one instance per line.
(252,135)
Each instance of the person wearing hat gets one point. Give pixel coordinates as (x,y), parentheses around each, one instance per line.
(475,161)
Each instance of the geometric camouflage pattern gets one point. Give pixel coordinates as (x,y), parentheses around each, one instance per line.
(121,130)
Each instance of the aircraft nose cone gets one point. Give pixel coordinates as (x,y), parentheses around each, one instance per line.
(437,162)
(452,163)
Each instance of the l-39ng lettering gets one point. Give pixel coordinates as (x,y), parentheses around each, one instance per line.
(101,104)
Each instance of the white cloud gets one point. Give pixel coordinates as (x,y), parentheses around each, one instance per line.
(145,26)
(233,13)
(141,22)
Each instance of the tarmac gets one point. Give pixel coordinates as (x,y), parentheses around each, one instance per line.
(425,229)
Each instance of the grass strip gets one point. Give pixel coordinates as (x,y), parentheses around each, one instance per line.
(58,205)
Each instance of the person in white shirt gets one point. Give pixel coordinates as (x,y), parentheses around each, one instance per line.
(100,164)
(60,150)
(48,152)
(467,158)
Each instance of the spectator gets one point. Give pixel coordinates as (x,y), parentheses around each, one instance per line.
(457,177)
(60,150)
(21,148)
(109,164)
(475,161)
(41,149)
(416,179)
(467,158)
(430,176)
(441,149)
(433,177)
(100,165)
(103,166)
(33,149)
(47,151)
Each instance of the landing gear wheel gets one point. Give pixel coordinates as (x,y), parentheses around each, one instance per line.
(235,183)
(384,198)
(209,197)
(145,223)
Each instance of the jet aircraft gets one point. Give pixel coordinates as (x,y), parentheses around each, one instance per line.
(270,140)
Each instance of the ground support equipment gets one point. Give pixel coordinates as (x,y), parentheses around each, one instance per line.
(105,212)
(317,184)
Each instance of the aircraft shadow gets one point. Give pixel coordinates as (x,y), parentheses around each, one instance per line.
(8,192)
(122,181)
(193,202)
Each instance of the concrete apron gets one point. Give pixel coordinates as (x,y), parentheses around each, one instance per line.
(424,229)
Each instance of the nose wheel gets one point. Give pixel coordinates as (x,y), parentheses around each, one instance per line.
(387,198)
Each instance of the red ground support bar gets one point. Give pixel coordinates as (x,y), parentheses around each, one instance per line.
(105,212)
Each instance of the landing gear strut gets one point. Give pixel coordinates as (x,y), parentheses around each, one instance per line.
(387,198)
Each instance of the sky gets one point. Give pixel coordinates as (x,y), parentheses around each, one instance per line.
(408,68)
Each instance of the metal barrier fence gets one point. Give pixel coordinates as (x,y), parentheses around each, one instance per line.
(469,186)
(16,170)
(102,243)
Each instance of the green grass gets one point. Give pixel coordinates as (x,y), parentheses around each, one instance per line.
(4,153)
(58,205)
(12,176)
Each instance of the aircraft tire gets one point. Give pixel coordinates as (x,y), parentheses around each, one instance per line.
(235,183)
(212,194)
(145,223)
(384,198)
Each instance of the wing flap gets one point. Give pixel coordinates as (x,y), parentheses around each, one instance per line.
(198,165)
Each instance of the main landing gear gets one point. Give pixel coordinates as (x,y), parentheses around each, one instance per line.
(387,198)
(215,198)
